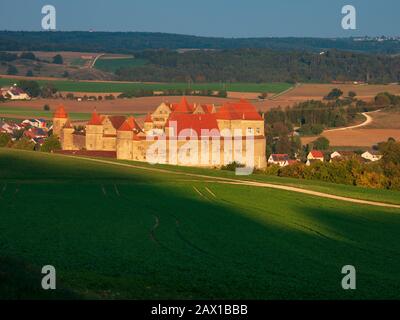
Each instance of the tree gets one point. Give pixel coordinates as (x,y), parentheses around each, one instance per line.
(390,152)
(334,94)
(58,59)
(4,139)
(30,86)
(27,55)
(51,144)
(352,94)
(12,70)
(24,144)
(382,99)
(321,143)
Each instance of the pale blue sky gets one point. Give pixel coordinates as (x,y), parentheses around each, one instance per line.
(227,18)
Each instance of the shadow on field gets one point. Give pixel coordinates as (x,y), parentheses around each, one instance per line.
(119,232)
(21,281)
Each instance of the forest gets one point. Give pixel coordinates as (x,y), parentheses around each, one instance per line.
(128,42)
(262,65)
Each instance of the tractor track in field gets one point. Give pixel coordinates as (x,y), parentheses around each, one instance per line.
(250,183)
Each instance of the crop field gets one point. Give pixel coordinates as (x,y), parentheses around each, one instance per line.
(112,65)
(115,231)
(31,113)
(110,87)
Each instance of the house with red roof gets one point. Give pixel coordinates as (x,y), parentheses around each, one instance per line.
(281,160)
(314,156)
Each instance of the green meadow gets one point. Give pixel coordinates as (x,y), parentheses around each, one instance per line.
(32,113)
(112,65)
(117,232)
(99,87)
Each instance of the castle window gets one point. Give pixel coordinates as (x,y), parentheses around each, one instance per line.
(250,130)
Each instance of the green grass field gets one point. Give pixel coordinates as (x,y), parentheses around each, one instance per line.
(32,113)
(121,232)
(112,65)
(82,86)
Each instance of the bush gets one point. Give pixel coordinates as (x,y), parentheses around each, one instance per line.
(51,144)
(58,59)
(24,144)
(4,139)
(27,55)
(12,70)
(232,166)
(321,143)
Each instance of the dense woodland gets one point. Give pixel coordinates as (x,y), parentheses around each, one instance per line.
(263,65)
(128,42)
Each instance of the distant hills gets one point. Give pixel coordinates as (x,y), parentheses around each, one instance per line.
(128,42)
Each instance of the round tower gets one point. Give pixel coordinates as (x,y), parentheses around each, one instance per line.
(60,118)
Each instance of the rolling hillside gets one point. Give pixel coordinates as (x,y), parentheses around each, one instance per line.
(118,231)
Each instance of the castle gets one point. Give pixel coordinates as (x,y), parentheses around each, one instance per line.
(175,133)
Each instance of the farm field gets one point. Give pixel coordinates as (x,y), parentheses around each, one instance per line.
(136,105)
(385,120)
(30,113)
(123,232)
(384,125)
(310,91)
(110,64)
(114,86)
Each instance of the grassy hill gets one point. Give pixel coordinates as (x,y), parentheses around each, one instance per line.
(123,232)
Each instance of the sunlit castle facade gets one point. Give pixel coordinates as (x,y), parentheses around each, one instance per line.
(175,133)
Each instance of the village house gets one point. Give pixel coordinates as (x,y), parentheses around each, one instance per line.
(9,127)
(37,123)
(371,156)
(342,155)
(281,160)
(314,156)
(14,93)
(211,136)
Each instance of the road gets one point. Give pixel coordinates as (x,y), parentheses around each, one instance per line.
(368,120)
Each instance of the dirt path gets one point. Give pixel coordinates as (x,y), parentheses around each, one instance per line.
(368,120)
(95,60)
(212,179)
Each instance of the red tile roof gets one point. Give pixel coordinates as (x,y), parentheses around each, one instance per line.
(195,122)
(96,120)
(130,124)
(242,110)
(182,107)
(148,118)
(60,112)
(117,121)
(317,154)
(280,157)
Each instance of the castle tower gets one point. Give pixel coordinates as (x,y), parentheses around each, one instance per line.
(148,123)
(67,139)
(60,118)
(125,135)
(94,133)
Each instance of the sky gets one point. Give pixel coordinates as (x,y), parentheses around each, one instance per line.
(216,18)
